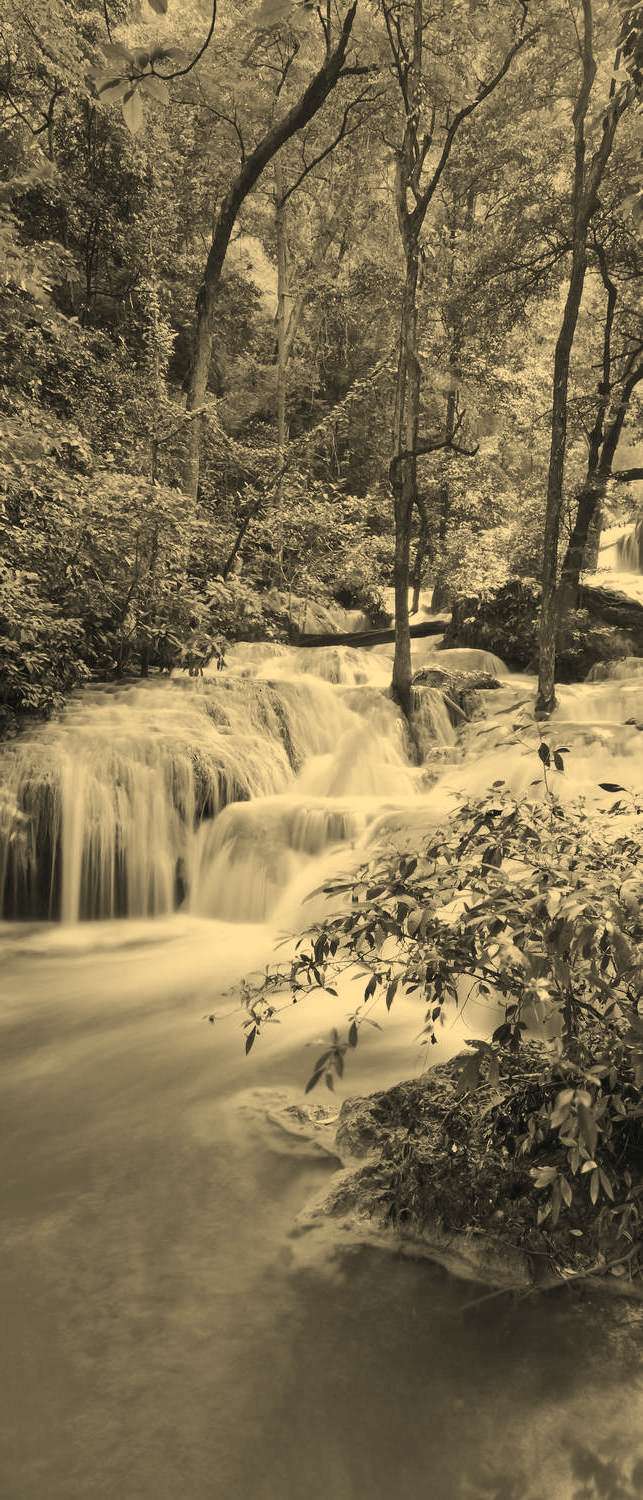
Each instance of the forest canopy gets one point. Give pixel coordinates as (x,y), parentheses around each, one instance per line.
(298,301)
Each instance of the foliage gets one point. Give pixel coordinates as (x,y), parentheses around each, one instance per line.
(503,621)
(41,651)
(533,908)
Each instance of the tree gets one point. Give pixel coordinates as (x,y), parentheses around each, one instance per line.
(586,181)
(615,254)
(420,161)
(330,209)
(312,99)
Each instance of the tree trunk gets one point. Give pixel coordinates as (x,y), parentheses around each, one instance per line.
(589,504)
(584,205)
(587,526)
(282,308)
(301,113)
(581,213)
(421,553)
(404,473)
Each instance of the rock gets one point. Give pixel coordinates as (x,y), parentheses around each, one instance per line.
(455,682)
(431,1172)
(613,608)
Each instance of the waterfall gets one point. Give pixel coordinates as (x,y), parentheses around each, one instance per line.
(108,798)
(621,558)
(629,550)
(219,795)
(207,793)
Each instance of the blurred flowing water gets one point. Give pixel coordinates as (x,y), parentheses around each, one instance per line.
(166,1334)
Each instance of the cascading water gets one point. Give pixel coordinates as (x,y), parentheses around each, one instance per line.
(109,798)
(621,556)
(148,1201)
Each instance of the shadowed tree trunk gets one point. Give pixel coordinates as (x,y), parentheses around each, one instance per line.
(586,182)
(282,307)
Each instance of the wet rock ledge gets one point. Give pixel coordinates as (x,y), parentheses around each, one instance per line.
(433,1173)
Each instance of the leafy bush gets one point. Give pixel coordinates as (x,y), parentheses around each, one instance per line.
(534,907)
(503,620)
(40,651)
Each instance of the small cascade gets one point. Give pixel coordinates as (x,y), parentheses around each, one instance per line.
(615,671)
(345,665)
(432,720)
(621,556)
(245,859)
(629,550)
(471,659)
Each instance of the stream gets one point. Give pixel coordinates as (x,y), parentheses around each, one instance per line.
(167,1331)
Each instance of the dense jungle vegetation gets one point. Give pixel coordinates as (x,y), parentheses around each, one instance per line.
(289,296)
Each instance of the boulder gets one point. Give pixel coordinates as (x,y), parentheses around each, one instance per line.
(607,626)
(610,607)
(433,1171)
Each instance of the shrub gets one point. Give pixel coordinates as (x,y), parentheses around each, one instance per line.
(534,906)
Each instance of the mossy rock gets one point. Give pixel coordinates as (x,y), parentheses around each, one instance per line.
(606,627)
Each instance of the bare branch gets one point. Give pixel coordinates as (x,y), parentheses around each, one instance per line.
(463,114)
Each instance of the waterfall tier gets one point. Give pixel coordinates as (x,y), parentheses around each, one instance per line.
(219,794)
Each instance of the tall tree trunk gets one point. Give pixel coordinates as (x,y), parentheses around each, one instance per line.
(404,473)
(604,439)
(421,553)
(282,308)
(546,699)
(584,204)
(312,99)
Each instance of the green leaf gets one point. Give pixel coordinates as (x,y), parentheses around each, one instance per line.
(133,113)
(155,88)
(566,1192)
(588,1127)
(391,993)
(111,85)
(611,786)
(544,754)
(352,1034)
(544,1176)
(250,1039)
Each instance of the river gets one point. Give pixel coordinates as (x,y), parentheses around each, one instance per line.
(168,1332)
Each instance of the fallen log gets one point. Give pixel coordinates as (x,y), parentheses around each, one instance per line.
(372,637)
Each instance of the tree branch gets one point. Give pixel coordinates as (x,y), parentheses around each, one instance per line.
(343,134)
(463,114)
(626,476)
